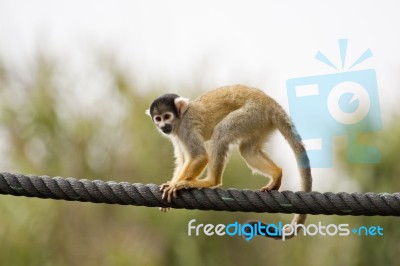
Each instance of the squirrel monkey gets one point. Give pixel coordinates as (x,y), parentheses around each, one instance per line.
(202,130)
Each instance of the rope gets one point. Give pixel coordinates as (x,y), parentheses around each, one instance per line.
(217,199)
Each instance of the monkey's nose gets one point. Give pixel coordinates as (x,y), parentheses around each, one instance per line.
(166,129)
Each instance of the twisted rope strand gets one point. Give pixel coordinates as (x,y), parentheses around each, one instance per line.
(218,199)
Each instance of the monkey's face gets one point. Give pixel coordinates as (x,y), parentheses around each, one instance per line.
(165,122)
(166,110)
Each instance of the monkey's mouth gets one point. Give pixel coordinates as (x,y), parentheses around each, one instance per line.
(166,129)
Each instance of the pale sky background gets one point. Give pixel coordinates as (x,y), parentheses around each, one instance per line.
(258,43)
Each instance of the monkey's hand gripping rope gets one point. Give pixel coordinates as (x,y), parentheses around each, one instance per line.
(218,199)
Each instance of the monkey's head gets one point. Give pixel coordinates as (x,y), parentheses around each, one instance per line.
(166,111)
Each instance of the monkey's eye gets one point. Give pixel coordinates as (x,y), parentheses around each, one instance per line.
(167,116)
(157,119)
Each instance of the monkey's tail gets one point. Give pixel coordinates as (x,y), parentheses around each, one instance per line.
(289,132)
(283,123)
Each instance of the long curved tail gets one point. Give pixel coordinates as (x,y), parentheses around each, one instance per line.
(283,123)
(289,132)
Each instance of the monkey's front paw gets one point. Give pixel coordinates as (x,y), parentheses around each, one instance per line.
(169,189)
(165,185)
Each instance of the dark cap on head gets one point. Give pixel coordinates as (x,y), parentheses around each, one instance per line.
(163,104)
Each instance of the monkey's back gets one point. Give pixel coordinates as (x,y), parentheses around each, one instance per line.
(231,96)
(222,101)
(216,104)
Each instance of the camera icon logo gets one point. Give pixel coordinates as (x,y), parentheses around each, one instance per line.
(339,104)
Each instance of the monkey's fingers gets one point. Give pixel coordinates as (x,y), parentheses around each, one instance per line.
(165,185)
(167,192)
(179,186)
(171,193)
(164,194)
(163,209)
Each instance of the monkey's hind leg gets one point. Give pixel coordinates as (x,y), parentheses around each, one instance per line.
(258,161)
(234,127)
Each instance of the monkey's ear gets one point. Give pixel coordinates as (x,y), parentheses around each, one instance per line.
(181,105)
(148,112)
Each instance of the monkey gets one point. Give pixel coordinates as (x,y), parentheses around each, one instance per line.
(203,130)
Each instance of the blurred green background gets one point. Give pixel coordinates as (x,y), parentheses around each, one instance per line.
(77,76)
(44,130)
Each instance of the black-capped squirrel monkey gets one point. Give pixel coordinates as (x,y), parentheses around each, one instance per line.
(202,130)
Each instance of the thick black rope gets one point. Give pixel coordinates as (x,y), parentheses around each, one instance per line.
(218,199)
